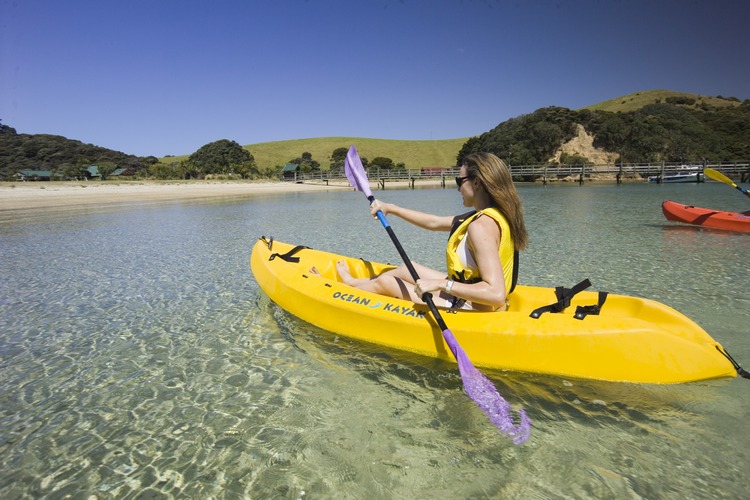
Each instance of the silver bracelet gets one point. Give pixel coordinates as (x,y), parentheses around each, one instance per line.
(449,286)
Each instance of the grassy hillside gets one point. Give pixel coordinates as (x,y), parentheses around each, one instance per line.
(637,100)
(414,154)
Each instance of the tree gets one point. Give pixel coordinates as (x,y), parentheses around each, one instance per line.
(106,168)
(382,162)
(306,163)
(187,170)
(70,171)
(222,157)
(338,157)
(165,171)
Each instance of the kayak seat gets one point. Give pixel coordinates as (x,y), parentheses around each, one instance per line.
(565,295)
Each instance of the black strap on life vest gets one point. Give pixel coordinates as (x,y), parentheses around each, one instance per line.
(514,280)
(289,256)
(564,296)
(583,311)
(458,220)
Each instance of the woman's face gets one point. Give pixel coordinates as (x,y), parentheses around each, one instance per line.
(466,188)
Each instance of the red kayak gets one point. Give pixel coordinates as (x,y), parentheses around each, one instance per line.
(706,217)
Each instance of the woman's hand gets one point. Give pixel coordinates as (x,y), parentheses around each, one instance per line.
(428,286)
(378,205)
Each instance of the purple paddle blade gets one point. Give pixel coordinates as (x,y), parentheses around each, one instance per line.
(484,394)
(355,172)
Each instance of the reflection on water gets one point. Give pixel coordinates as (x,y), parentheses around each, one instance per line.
(138,358)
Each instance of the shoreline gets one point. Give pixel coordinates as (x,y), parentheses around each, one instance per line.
(43,195)
(50,195)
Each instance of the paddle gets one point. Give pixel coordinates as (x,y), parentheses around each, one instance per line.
(476,385)
(718,176)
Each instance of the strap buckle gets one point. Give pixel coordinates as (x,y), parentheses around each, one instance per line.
(564,296)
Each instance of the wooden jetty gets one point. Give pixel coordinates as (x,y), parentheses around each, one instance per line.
(530,173)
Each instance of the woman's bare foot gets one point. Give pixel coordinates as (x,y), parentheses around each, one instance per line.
(346,275)
(343,270)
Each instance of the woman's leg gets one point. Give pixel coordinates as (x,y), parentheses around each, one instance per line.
(347,278)
(396,282)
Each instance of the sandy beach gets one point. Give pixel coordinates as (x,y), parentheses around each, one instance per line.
(52,195)
(22,196)
(68,195)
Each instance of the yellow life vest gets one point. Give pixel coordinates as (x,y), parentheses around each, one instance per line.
(506,252)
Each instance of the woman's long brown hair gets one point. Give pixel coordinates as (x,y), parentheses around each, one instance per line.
(496,178)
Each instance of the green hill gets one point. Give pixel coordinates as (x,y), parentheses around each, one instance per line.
(644,127)
(414,154)
(637,100)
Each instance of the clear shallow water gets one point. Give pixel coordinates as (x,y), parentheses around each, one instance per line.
(138,358)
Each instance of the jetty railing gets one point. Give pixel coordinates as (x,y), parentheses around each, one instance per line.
(533,173)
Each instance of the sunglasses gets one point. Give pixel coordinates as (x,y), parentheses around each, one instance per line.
(460,180)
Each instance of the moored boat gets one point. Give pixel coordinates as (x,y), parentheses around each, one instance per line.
(615,338)
(706,217)
(678,177)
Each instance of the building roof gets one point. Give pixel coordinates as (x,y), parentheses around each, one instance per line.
(38,173)
(290,167)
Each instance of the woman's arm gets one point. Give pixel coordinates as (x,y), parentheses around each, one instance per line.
(483,241)
(424,220)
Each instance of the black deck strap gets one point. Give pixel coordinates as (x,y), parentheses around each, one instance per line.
(740,371)
(289,256)
(564,296)
(595,309)
(268,242)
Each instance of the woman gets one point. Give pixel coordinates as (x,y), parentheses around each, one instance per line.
(480,248)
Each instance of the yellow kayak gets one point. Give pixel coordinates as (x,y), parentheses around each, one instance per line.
(629,339)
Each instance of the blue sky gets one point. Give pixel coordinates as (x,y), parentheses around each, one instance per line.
(158,77)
